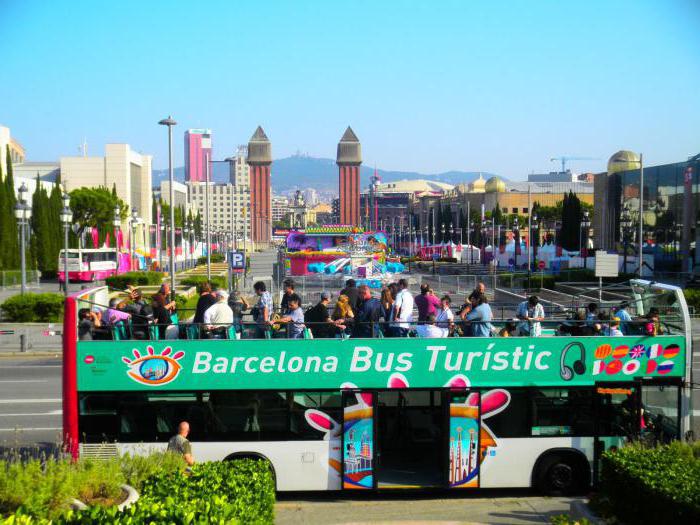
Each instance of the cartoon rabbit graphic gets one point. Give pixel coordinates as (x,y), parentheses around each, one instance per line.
(492,402)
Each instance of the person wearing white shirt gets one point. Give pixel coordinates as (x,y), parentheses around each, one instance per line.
(530,313)
(445,316)
(403,310)
(218,317)
(429,330)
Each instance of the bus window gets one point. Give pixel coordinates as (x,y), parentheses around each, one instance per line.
(660,412)
(513,421)
(617,413)
(252,416)
(327,402)
(562,412)
(99,421)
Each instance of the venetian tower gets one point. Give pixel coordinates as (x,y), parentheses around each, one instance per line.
(259,160)
(349,159)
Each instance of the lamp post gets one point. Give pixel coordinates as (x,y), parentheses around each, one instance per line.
(160,246)
(626,223)
(186,235)
(585,224)
(442,234)
(169,122)
(117,222)
(66,220)
(516,241)
(23,212)
(134,220)
(536,239)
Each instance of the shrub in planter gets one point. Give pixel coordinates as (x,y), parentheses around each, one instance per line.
(121,281)
(652,485)
(197,280)
(34,307)
(692,297)
(215,258)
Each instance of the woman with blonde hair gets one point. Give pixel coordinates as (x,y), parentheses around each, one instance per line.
(343,316)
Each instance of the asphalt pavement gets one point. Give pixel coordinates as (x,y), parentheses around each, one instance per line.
(30,401)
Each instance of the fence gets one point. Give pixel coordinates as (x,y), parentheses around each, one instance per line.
(9,278)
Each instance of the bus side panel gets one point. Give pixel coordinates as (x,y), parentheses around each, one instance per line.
(298,465)
(510,463)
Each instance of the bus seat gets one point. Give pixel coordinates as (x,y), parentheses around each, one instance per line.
(119,332)
(192,331)
(153,333)
(307,333)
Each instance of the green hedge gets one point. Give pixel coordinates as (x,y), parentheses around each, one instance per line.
(34,308)
(692,297)
(120,282)
(653,485)
(241,491)
(215,258)
(217,281)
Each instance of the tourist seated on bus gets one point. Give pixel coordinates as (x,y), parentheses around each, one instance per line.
(652,324)
(319,320)
(592,312)
(206,300)
(613,328)
(445,317)
(262,311)
(530,313)
(141,314)
(428,329)
(369,311)
(510,329)
(238,305)
(351,292)
(387,307)
(343,316)
(161,317)
(624,316)
(87,322)
(403,310)
(479,318)
(218,318)
(426,302)
(115,312)
(294,319)
(164,292)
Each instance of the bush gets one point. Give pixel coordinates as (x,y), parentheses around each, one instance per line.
(692,297)
(120,282)
(34,308)
(215,258)
(220,492)
(217,281)
(653,485)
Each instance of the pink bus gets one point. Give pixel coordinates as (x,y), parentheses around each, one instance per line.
(87,265)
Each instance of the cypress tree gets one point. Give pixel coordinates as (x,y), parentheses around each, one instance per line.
(3,218)
(10,246)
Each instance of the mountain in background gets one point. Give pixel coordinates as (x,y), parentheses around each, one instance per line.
(301,172)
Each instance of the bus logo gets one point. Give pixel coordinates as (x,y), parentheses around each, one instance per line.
(154,369)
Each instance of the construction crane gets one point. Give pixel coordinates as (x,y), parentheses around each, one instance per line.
(565,159)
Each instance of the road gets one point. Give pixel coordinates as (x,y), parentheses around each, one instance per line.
(30,401)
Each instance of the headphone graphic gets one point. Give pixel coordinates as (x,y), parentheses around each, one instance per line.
(567,373)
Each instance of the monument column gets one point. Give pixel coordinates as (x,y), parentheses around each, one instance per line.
(259,159)
(349,159)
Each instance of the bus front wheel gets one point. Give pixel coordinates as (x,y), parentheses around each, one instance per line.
(559,474)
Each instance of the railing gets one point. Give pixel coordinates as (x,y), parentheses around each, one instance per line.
(13,278)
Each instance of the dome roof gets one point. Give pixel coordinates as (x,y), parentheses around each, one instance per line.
(495,185)
(478,185)
(623,160)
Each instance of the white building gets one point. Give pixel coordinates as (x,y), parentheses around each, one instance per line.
(280,208)
(180,194)
(121,167)
(16,149)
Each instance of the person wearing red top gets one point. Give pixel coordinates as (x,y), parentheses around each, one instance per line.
(427,302)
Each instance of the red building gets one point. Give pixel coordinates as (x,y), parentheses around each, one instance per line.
(197,150)
(349,159)
(259,160)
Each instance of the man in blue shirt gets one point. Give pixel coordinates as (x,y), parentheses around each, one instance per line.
(480,317)
(623,315)
(368,313)
(295,318)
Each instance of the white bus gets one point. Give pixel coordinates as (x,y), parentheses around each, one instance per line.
(88,264)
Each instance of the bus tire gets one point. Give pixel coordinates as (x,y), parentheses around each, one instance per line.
(237,456)
(561,473)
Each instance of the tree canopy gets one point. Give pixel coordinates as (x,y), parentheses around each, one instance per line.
(94,207)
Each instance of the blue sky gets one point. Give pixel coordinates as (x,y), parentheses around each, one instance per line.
(498,86)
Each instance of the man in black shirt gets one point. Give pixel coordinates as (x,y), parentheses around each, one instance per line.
(317,318)
(351,292)
(206,299)
(288,285)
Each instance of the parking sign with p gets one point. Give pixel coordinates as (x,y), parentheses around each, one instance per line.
(237,261)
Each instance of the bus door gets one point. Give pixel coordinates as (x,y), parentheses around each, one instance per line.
(660,410)
(358,440)
(618,418)
(465,439)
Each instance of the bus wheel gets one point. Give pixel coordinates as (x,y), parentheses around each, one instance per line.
(557,475)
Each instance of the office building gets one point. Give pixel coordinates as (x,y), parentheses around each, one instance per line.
(228,206)
(280,208)
(349,159)
(239,172)
(16,149)
(180,194)
(197,150)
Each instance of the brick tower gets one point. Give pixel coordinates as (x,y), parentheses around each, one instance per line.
(259,160)
(349,159)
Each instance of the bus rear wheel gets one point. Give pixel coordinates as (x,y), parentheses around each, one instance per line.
(559,474)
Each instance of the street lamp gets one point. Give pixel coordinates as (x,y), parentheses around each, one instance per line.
(585,224)
(186,235)
(134,221)
(626,223)
(23,212)
(66,220)
(516,241)
(170,123)
(535,226)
